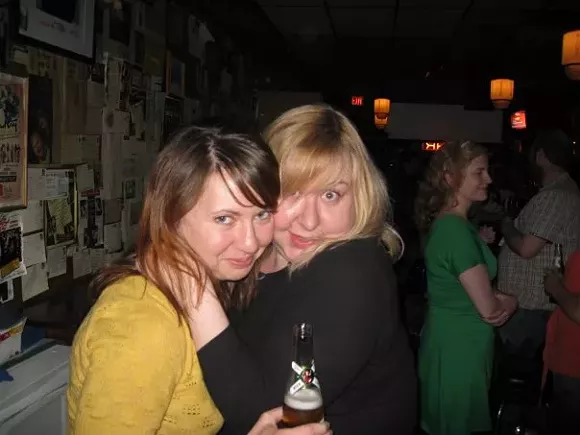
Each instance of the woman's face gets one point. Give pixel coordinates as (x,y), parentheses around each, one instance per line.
(227,232)
(306,219)
(476,180)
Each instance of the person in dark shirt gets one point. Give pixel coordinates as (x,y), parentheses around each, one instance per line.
(331,266)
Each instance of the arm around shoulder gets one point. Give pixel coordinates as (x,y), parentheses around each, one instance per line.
(134,359)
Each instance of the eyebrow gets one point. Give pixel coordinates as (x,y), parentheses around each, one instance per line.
(226,211)
(338,183)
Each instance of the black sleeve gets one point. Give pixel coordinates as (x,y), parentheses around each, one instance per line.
(354,306)
(348,294)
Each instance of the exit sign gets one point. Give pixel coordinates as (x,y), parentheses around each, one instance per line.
(432,146)
(357,100)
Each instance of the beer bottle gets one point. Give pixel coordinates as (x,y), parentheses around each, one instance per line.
(558,264)
(303,398)
(558,258)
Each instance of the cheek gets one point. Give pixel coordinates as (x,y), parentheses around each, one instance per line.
(265,233)
(207,241)
(282,220)
(338,220)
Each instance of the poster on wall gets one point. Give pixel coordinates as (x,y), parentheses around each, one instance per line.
(11,258)
(13,140)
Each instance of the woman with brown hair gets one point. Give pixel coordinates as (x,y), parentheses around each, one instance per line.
(206,218)
(456,351)
(331,266)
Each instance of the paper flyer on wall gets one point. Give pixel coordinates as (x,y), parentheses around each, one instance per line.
(11,156)
(11,257)
(61,208)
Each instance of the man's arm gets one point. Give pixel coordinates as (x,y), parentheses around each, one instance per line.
(525,245)
(546,216)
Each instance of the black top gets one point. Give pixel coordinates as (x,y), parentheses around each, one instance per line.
(362,356)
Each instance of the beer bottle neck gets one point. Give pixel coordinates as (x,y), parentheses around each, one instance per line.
(303,350)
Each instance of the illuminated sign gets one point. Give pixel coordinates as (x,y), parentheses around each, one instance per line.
(357,100)
(432,146)
(518,120)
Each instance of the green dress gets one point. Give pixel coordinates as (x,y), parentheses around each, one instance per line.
(456,352)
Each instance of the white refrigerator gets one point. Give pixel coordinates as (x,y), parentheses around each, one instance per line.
(35,401)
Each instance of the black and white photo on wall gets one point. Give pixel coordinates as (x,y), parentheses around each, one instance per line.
(39,120)
(68,25)
(120,22)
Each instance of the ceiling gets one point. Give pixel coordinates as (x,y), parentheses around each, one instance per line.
(445,47)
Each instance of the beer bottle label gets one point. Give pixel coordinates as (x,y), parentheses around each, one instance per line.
(306,376)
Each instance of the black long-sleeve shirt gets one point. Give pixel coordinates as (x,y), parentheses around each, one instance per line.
(363,360)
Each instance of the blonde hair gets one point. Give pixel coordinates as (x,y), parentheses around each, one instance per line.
(314,144)
(434,190)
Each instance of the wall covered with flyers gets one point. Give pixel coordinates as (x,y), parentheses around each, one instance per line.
(80,128)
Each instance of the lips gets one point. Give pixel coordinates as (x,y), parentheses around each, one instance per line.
(301,242)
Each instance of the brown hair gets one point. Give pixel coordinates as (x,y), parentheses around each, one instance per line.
(434,191)
(314,144)
(176,183)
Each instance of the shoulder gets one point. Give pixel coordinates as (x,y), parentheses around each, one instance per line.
(355,253)
(451,227)
(139,295)
(549,197)
(363,264)
(135,310)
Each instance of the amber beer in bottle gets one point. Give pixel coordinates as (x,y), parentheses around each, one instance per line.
(303,398)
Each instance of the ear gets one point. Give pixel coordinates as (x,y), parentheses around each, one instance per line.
(450,180)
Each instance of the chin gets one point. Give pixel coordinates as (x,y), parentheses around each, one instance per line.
(233,274)
(238,276)
(480,197)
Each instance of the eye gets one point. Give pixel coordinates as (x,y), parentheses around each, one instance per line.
(331,195)
(223,220)
(264,215)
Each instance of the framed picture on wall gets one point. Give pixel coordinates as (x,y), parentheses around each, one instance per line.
(65,24)
(13,141)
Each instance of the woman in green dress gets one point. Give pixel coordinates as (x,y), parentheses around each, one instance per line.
(456,352)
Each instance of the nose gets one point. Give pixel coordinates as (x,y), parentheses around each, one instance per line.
(488,179)
(248,239)
(309,217)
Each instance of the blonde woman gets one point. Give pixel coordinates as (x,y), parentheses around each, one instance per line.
(331,266)
(206,217)
(456,352)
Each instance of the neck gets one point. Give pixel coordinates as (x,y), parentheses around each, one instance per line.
(274,262)
(461,207)
(550,174)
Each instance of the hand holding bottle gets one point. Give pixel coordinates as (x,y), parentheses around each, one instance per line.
(268,425)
